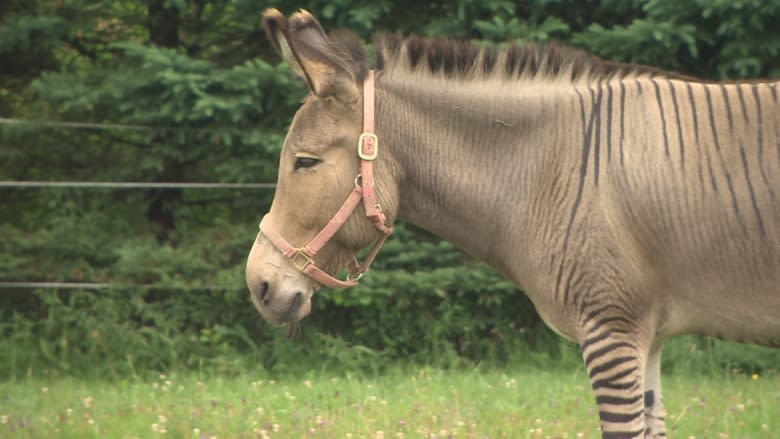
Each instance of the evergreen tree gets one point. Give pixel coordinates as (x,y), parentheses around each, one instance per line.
(203,98)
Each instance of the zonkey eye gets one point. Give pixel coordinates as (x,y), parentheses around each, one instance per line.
(305,162)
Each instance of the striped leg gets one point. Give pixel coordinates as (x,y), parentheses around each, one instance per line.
(616,368)
(654,407)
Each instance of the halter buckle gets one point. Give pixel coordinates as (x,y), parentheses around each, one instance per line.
(307,260)
(355,277)
(368,146)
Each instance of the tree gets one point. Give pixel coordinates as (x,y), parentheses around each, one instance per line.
(203,98)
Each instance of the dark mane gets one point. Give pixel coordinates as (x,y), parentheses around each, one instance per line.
(463,59)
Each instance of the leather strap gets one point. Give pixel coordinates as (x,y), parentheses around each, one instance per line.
(302,258)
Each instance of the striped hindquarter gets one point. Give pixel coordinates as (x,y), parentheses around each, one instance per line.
(674,227)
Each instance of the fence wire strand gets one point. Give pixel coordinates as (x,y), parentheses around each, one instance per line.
(106,286)
(31,285)
(78,125)
(131,185)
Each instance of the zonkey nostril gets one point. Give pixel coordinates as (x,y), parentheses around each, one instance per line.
(263,292)
(297,300)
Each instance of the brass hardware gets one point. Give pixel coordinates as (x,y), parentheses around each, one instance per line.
(362,143)
(307,260)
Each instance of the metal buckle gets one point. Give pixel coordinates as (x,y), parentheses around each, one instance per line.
(355,277)
(307,260)
(362,143)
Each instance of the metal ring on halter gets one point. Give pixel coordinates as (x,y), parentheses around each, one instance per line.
(359,177)
(359,275)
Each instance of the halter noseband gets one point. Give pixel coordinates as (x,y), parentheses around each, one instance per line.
(302,258)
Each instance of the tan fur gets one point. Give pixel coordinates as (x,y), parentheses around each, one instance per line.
(629,204)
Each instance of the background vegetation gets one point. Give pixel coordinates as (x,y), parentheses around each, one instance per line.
(215,103)
(417,402)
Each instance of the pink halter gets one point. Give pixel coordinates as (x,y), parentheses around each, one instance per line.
(302,258)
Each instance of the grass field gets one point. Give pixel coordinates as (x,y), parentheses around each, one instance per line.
(417,403)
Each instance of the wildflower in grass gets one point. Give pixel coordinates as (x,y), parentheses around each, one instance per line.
(196,431)
(4,419)
(46,389)
(276,427)
(755,377)
(260,411)
(307,383)
(87,401)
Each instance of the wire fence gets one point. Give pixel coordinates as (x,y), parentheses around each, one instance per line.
(116,185)
(132,185)
(78,125)
(62,285)
(22,285)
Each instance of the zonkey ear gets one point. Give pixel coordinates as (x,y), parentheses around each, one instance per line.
(328,71)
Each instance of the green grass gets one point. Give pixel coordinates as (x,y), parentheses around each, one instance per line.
(414,403)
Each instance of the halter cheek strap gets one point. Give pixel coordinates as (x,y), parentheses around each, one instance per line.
(302,258)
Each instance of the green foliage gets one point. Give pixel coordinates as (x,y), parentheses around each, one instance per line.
(712,39)
(709,355)
(643,41)
(214,104)
(426,301)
